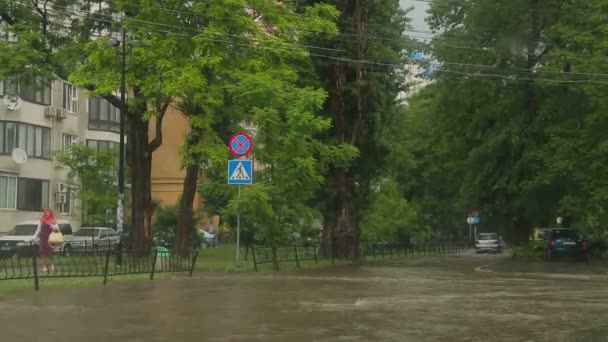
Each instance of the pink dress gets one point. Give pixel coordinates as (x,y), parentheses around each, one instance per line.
(44,247)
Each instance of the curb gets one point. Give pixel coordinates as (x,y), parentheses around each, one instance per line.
(484,269)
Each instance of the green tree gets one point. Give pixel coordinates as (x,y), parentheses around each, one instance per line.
(92,175)
(226,78)
(362,85)
(515,101)
(389,217)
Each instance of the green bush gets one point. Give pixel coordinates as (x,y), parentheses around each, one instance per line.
(165,223)
(527,251)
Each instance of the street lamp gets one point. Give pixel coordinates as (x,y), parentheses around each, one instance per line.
(120,47)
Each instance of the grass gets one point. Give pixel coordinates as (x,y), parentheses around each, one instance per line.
(14,288)
(223,259)
(220,259)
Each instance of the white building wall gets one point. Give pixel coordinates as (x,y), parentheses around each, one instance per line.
(75,124)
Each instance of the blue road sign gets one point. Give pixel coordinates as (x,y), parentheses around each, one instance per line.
(240,172)
(475,219)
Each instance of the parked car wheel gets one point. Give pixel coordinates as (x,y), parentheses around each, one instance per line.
(67,250)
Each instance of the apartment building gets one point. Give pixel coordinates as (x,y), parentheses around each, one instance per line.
(38,122)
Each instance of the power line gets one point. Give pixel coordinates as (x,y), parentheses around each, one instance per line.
(519,9)
(387,66)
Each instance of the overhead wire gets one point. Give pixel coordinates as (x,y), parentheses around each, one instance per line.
(387,66)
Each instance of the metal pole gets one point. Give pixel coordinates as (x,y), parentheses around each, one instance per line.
(238,227)
(123,111)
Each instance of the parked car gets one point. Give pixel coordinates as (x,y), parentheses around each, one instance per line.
(207,239)
(566,242)
(18,240)
(95,238)
(488,243)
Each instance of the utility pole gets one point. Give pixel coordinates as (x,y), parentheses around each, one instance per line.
(123,111)
(121,49)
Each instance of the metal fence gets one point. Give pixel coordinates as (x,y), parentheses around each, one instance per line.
(385,250)
(369,251)
(93,263)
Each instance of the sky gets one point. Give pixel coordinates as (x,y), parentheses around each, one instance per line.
(417,16)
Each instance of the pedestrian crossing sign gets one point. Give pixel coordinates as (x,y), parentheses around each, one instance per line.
(240,172)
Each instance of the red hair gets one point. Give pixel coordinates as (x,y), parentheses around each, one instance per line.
(48,217)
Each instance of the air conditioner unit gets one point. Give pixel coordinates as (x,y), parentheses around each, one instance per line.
(61,198)
(62,113)
(61,188)
(50,112)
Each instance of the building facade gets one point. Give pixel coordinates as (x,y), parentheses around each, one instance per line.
(40,121)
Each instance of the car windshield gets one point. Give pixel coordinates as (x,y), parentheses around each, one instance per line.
(23,230)
(488,236)
(87,232)
(558,234)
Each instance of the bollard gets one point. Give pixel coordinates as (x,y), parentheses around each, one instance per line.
(255,262)
(193,262)
(295,249)
(105,269)
(35,266)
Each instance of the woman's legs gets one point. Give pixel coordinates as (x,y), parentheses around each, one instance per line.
(44,260)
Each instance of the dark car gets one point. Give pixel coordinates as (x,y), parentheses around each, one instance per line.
(566,242)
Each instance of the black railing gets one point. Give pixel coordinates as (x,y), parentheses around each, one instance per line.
(386,250)
(27,264)
(369,251)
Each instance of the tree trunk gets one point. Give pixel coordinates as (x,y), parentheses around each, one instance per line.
(141,177)
(183,238)
(341,233)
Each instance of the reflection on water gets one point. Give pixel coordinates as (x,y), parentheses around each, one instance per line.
(431,300)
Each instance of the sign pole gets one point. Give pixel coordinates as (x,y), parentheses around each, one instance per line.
(238,227)
(239,172)
(470,230)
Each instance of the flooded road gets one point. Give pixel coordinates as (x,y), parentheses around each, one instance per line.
(431,299)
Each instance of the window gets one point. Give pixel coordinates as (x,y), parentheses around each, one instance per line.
(35,91)
(103,116)
(70,98)
(100,145)
(32,194)
(8,192)
(65,229)
(30,91)
(35,140)
(68,140)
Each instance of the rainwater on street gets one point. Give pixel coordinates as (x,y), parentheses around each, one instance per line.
(426,299)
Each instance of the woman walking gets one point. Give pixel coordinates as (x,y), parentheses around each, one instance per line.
(47,225)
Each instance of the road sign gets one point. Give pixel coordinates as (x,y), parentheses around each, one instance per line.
(470,220)
(240,144)
(475,213)
(475,219)
(240,172)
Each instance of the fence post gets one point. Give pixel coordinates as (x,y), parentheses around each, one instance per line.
(295,248)
(35,266)
(193,262)
(105,268)
(314,250)
(153,263)
(374,251)
(255,262)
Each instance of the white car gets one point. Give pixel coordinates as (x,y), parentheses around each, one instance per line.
(18,239)
(95,239)
(488,243)
(208,239)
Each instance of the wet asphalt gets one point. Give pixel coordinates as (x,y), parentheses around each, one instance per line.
(464,298)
